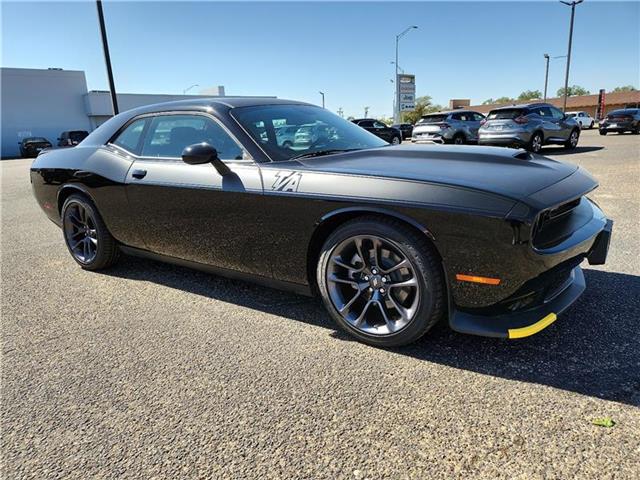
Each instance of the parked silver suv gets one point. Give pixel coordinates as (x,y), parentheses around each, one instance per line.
(458,126)
(530,126)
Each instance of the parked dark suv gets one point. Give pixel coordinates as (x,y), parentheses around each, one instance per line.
(405,128)
(530,126)
(625,120)
(32,146)
(72,138)
(390,134)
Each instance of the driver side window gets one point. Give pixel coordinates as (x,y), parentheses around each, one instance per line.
(168,135)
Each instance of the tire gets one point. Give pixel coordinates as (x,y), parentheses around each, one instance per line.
(86,236)
(572,141)
(591,126)
(603,132)
(459,139)
(536,142)
(287,144)
(421,304)
(396,140)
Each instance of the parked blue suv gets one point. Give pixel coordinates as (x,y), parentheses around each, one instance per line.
(530,126)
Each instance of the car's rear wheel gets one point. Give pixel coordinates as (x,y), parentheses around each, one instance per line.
(396,140)
(572,141)
(535,144)
(590,125)
(87,238)
(287,144)
(381,281)
(459,139)
(603,132)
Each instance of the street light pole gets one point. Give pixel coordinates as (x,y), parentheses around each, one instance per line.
(107,57)
(572,4)
(322,93)
(184,92)
(546,76)
(396,112)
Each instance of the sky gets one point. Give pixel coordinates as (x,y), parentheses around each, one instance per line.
(475,50)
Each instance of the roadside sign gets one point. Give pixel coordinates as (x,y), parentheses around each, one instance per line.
(407,89)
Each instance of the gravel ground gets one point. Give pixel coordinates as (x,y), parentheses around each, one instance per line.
(155,371)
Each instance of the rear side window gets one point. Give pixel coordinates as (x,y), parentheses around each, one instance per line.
(168,135)
(506,114)
(130,137)
(433,119)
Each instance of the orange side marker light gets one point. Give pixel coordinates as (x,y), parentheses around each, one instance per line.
(475,279)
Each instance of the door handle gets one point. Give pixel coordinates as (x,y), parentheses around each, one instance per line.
(138,174)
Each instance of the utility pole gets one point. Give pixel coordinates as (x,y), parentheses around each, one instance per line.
(340,112)
(366,112)
(322,93)
(107,57)
(546,76)
(396,109)
(572,4)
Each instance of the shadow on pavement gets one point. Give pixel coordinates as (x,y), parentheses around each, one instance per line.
(592,349)
(563,151)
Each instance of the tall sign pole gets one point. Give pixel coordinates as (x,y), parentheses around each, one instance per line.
(396,112)
(107,57)
(566,75)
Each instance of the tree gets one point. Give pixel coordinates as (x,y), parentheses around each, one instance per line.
(423,107)
(351,117)
(573,91)
(386,120)
(529,95)
(626,88)
(488,101)
(504,100)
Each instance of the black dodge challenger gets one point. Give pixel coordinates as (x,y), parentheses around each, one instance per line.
(392,238)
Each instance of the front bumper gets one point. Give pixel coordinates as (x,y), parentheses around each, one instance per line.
(548,295)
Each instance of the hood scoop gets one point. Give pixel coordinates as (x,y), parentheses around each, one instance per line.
(522,154)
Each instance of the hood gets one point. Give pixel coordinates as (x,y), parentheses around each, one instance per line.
(504,171)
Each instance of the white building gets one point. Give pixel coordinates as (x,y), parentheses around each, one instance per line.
(44,103)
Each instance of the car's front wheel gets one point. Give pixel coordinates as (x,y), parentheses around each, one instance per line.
(603,132)
(396,140)
(381,281)
(572,141)
(87,238)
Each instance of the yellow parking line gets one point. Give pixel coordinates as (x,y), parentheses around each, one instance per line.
(534,328)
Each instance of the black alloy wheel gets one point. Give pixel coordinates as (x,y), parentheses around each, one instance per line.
(381,281)
(87,238)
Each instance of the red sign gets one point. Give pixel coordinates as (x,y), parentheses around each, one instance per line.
(601,105)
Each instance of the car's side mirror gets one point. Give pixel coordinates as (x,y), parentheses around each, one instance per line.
(201,153)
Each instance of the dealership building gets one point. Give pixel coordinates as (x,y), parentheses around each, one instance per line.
(44,103)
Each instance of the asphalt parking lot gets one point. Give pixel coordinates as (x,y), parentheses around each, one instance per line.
(155,371)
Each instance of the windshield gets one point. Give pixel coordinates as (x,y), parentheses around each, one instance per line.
(316,130)
(36,140)
(433,119)
(505,113)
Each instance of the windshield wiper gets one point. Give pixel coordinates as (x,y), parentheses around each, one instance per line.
(321,153)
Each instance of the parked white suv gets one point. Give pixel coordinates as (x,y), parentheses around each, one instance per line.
(583,118)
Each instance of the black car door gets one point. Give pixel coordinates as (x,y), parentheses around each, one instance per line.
(192,212)
(382,131)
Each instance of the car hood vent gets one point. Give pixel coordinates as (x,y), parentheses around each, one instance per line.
(523,155)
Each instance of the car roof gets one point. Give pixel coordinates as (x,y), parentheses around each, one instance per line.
(447,112)
(523,105)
